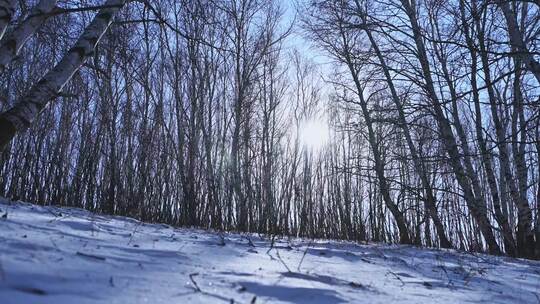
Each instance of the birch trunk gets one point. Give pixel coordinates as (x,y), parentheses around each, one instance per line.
(7,9)
(384,187)
(517,40)
(430,201)
(519,138)
(50,86)
(13,43)
(476,206)
(486,157)
(525,238)
(460,130)
(521,170)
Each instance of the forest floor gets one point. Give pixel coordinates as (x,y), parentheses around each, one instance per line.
(68,255)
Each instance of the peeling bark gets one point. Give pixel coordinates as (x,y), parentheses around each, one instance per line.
(50,86)
(13,43)
(7,9)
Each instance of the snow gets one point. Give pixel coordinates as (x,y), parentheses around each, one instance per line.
(68,255)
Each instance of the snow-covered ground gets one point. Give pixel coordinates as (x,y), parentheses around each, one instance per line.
(67,255)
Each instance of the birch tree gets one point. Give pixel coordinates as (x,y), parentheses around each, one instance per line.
(12,44)
(7,10)
(19,117)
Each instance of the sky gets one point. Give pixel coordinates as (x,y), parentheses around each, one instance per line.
(297,40)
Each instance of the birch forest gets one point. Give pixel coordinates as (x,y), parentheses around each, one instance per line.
(395,121)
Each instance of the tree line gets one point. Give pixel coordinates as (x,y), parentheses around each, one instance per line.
(188,112)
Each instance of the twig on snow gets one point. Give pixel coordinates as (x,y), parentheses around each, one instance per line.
(133,233)
(397,277)
(195,285)
(303,256)
(198,289)
(281,260)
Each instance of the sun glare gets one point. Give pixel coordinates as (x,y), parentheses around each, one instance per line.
(314,134)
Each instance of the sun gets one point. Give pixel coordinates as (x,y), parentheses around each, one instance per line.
(314,134)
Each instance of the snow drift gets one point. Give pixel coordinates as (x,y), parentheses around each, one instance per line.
(68,255)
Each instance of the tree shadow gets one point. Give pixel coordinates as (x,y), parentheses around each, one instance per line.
(299,295)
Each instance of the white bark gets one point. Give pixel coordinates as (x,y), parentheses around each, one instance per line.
(7,9)
(13,43)
(50,86)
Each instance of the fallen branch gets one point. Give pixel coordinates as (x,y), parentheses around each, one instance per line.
(133,233)
(198,289)
(397,277)
(196,286)
(303,256)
